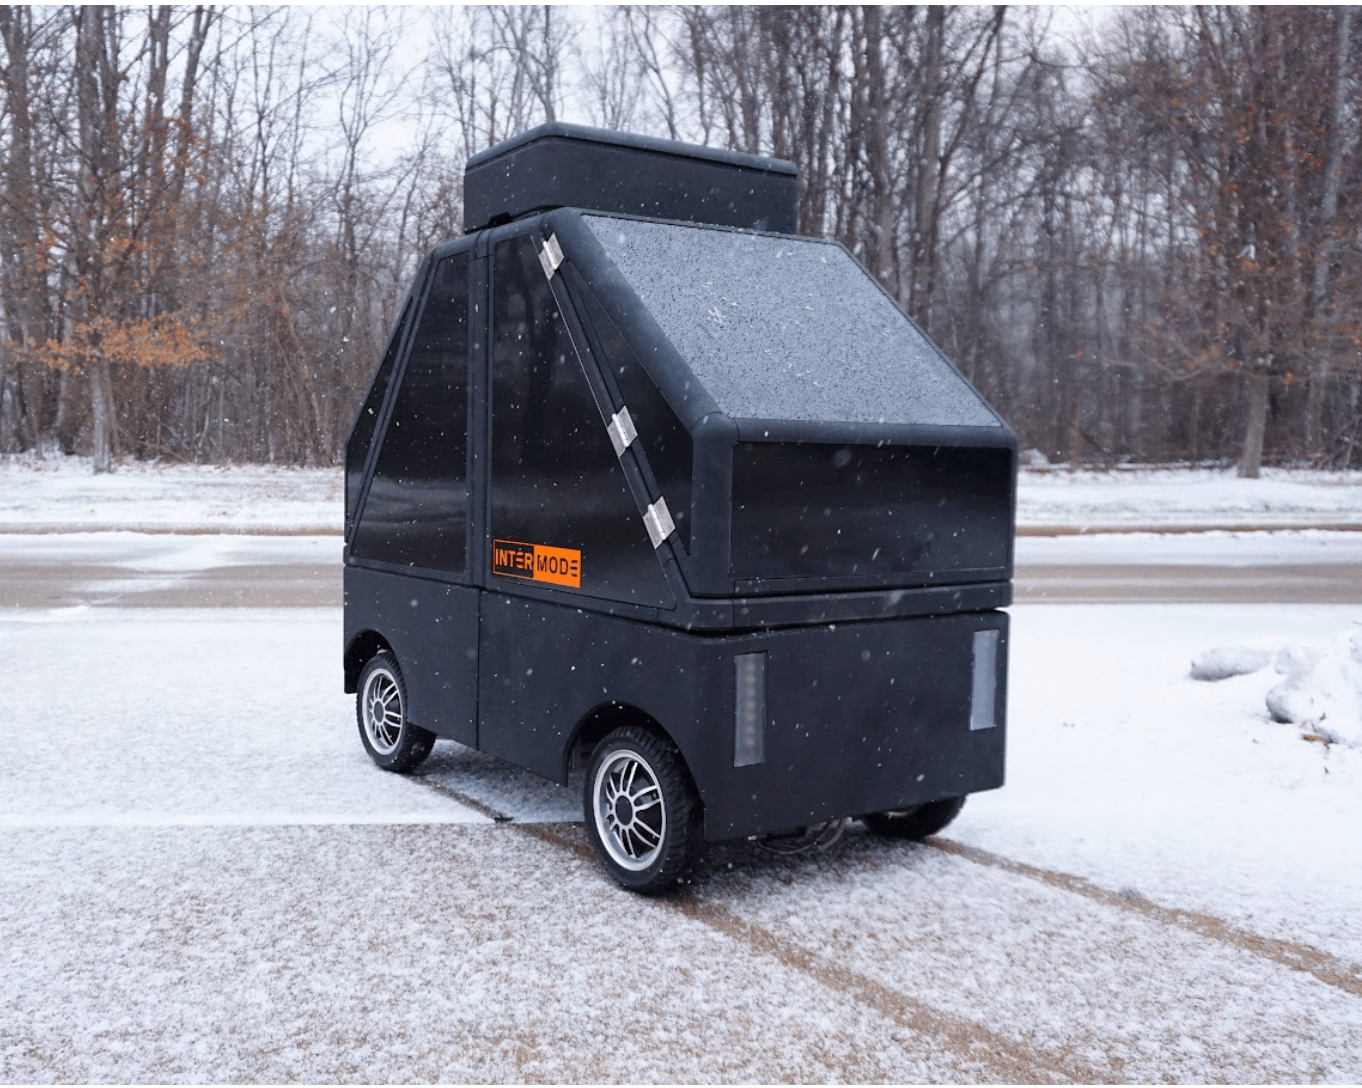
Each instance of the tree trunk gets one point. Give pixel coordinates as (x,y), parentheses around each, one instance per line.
(1251,459)
(929,180)
(1333,171)
(101,410)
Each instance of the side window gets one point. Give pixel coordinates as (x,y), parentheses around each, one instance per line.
(362,433)
(416,512)
(562,512)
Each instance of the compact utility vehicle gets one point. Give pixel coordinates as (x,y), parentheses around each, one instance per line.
(647,484)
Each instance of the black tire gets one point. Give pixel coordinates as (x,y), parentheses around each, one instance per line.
(381,711)
(917,822)
(644,847)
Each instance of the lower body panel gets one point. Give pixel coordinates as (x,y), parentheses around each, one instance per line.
(432,628)
(854,717)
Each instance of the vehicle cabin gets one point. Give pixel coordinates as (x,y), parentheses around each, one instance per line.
(648,484)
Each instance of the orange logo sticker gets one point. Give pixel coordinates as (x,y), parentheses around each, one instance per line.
(537,563)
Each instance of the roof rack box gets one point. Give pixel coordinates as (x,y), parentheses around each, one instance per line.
(571,166)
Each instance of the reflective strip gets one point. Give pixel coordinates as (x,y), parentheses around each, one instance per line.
(658,520)
(749,710)
(622,432)
(983,701)
(551,256)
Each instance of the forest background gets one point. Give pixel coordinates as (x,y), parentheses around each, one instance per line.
(1141,243)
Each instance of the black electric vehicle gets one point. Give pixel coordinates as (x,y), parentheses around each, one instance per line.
(647,484)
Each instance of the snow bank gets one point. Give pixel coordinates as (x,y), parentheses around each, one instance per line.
(1322,689)
(1226,661)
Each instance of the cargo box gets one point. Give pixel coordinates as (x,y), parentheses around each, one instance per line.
(561,166)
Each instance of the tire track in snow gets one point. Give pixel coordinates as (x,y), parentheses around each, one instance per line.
(991,1055)
(480,807)
(1324,966)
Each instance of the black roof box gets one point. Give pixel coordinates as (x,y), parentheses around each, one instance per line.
(571,166)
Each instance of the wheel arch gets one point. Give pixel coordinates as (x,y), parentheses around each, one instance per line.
(603,719)
(361,648)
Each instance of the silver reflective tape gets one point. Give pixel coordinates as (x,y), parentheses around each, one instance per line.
(658,519)
(622,432)
(749,710)
(551,256)
(983,700)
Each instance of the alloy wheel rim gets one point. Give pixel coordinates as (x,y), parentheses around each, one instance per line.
(382,711)
(631,817)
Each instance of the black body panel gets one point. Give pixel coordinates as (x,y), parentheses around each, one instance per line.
(571,166)
(862,717)
(432,627)
(555,479)
(902,514)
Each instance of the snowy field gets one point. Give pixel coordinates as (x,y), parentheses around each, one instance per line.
(62,495)
(1187,499)
(58,495)
(203,877)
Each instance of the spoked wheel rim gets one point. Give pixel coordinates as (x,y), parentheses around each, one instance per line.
(382,704)
(631,816)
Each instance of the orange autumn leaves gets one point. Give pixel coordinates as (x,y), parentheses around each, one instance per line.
(166,340)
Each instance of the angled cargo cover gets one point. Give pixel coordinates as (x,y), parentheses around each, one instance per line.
(818,455)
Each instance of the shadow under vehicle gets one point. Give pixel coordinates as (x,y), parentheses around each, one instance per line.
(647,484)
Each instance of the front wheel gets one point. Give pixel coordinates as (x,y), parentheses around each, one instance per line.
(917,822)
(381,707)
(642,813)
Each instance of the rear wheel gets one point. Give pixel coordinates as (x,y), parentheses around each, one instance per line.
(642,813)
(917,822)
(381,707)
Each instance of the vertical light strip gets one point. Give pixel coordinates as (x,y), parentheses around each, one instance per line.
(749,710)
(983,700)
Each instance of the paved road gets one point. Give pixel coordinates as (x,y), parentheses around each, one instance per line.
(1331,583)
(169,571)
(259,572)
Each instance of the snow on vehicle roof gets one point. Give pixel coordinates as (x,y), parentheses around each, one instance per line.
(787,328)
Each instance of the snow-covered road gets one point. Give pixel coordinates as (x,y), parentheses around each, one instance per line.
(202,877)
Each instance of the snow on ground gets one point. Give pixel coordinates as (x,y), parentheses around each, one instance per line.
(1220,548)
(168,553)
(202,877)
(1124,769)
(1179,498)
(1121,767)
(182,717)
(396,955)
(64,493)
